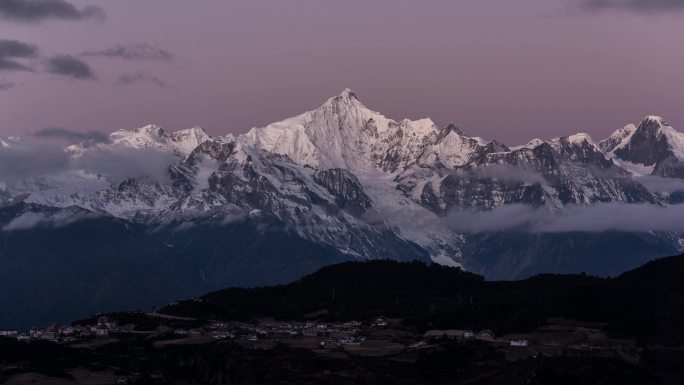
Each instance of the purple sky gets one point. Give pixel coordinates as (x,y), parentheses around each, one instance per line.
(510,70)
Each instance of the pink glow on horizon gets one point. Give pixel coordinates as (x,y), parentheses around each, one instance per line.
(499,69)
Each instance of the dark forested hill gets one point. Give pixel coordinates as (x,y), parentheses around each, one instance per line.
(647,303)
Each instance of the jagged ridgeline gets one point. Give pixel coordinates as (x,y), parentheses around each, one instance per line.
(150,215)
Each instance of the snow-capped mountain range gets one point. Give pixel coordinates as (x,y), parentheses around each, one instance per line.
(151,215)
(346,176)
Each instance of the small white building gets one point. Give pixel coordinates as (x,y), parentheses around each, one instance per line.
(520,343)
(8,333)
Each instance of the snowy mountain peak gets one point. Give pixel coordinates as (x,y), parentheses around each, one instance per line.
(452,127)
(152,129)
(153,137)
(580,138)
(534,143)
(654,143)
(187,140)
(655,119)
(618,139)
(343,133)
(348,93)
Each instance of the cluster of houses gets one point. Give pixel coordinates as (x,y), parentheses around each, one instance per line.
(337,333)
(330,334)
(483,335)
(58,333)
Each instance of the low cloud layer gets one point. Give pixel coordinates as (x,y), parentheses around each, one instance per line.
(12,53)
(39,10)
(661,185)
(69,66)
(30,220)
(594,218)
(28,161)
(120,162)
(23,161)
(141,52)
(644,6)
(72,136)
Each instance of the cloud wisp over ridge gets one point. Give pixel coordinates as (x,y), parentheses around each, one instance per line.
(26,160)
(71,136)
(31,11)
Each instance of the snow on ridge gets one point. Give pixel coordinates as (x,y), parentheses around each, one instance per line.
(532,144)
(340,133)
(618,139)
(155,137)
(655,118)
(581,137)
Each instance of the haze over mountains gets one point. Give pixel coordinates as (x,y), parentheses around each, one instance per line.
(147,215)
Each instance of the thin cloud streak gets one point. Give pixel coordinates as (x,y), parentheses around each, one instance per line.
(595,218)
(131,79)
(135,52)
(642,6)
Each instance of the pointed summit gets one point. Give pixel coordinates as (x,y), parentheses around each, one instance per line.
(345,98)
(655,119)
(649,144)
(651,125)
(452,127)
(348,93)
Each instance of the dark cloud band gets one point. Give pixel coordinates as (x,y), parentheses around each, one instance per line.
(70,67)
(72,136)
(38,10)
(645,6)
(11,51)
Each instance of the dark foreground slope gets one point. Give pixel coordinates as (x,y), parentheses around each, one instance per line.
(642,312)
(225,362)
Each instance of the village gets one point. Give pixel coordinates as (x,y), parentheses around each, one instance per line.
(376,337)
